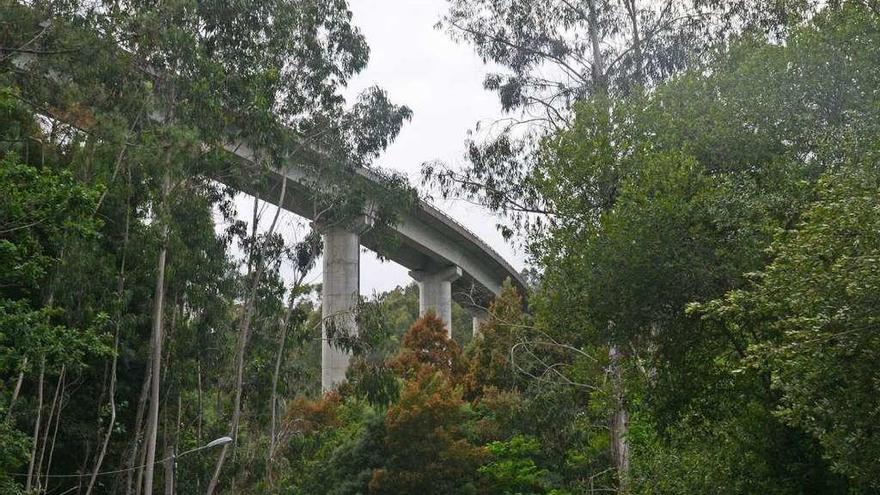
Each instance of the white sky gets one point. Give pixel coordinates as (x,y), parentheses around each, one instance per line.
(441,81)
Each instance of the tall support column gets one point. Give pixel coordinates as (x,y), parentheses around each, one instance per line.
(480,316)
(435,292)
(339,298)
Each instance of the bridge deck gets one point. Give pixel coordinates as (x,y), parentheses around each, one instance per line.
(424,239)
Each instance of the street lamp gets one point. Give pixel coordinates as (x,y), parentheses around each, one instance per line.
(213,443)
(171,486)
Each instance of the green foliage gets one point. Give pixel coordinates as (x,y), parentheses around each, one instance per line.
(116,120)
(671,197)
(489,354)
(707,255)
(512,470)
(810,320)
(41,211)
(13,455)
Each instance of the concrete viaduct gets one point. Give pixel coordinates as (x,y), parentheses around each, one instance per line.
(448,262)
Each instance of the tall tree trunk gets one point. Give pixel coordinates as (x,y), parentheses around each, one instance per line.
(140,465)
(179,421)
(55,431)
(169,470)
(598,67)
(17,389)
(275,375)
(243,337)
(49,421)
(633,13)
(619,420)
(103,451)
(199,398)
(120,301)
(158,310)
(30,475)
(138,432)
(171,452)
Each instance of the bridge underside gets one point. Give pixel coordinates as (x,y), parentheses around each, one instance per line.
(448,263)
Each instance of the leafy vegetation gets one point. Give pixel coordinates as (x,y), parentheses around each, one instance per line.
(697,194)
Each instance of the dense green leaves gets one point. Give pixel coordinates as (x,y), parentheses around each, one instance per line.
(701,211)
(116,119)
(738,188)
(811,319)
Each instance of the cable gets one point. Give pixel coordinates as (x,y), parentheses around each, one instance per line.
(117,471)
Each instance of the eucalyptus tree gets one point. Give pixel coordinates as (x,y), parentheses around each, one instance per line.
(690,192)
(170,86)
(809,320)
(551,55)
(44,210)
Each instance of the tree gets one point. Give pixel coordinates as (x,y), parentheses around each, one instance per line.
(809,318)
(555,55)
(425,347)
(152,95)
(671,197)
(43,212)
(513,469)
(489,357)
(426,448)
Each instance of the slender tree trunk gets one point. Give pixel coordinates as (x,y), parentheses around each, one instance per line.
(158,310)
(30,475)
(49,421)
(169,470)
(101,453)
(140,466)
(38,471)
(243,337)
(275,375)
(170,467)
(179,421)
(199,399)
(633,13)
(138,432)
(619,420)
(120,301)
(598,71)
(17,389)
(55,431)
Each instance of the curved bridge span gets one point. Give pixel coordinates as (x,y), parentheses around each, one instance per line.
(448,262)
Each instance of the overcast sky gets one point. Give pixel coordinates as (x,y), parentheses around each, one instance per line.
(441,81)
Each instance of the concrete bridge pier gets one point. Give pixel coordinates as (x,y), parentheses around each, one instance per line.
(435,292)
(339,296)
(479,316)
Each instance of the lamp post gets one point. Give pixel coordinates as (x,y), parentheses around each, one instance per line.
(171,484)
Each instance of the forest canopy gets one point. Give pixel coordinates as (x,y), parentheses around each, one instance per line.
(694,181)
